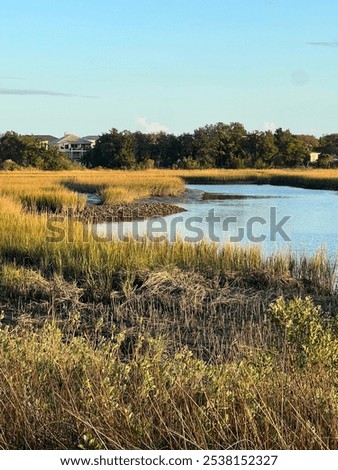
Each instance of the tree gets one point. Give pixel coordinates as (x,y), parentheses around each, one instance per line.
(310,140)
(142,147)
(299,154)
(186,143)
(54,160)
(11,148)
(325,160)
(204,147)
(328,144)
(26,151)
(230,145)
(267,148)
(166,149)
(291,151)
(219,145)
(113,149)
(262,148)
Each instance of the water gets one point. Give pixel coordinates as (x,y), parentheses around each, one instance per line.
(92,198)
(312,218)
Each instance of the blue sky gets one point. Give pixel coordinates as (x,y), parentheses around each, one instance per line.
(87,66)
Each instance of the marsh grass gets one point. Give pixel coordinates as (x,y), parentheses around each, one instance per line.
(52,201)
(58,191)
(303,178)
(55,191)
(60,390)
(27,239)
(129,345)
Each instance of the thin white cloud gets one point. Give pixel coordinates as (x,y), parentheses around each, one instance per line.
(269,126)
(26,92)
(150,127)
(324,43)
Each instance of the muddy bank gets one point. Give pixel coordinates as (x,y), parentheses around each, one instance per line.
(188,196)
(191,196)
(126,212)
(215,196)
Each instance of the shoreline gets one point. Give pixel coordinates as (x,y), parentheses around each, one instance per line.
(126,212)
(155,206)
(187,196)
(162,206)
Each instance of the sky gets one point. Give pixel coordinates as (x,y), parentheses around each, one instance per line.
(85,66)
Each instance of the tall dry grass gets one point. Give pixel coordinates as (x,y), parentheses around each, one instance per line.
(66,247)
(157,345)
(56,191)
(63,390)
(59,189)
(305,178)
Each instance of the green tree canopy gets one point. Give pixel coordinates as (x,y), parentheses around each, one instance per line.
(26,151)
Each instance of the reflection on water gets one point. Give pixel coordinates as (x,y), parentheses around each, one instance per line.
(308,218)
(221,197)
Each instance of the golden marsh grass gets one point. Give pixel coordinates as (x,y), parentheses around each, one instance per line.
(56,191)
(37,189)
(129,345)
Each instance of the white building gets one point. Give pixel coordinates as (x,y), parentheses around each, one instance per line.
(314,157)
(74,145)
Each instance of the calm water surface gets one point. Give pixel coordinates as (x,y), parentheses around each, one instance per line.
(312,222)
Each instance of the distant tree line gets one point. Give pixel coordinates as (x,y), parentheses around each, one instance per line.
(22,151)
(220,145)
(212,146)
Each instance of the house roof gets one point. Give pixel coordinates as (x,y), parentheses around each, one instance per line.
(81,141)
(67,138)
(47,137)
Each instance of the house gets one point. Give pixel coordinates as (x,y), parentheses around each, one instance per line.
(79,147)
(44,140)
(74,145)
(63,143)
